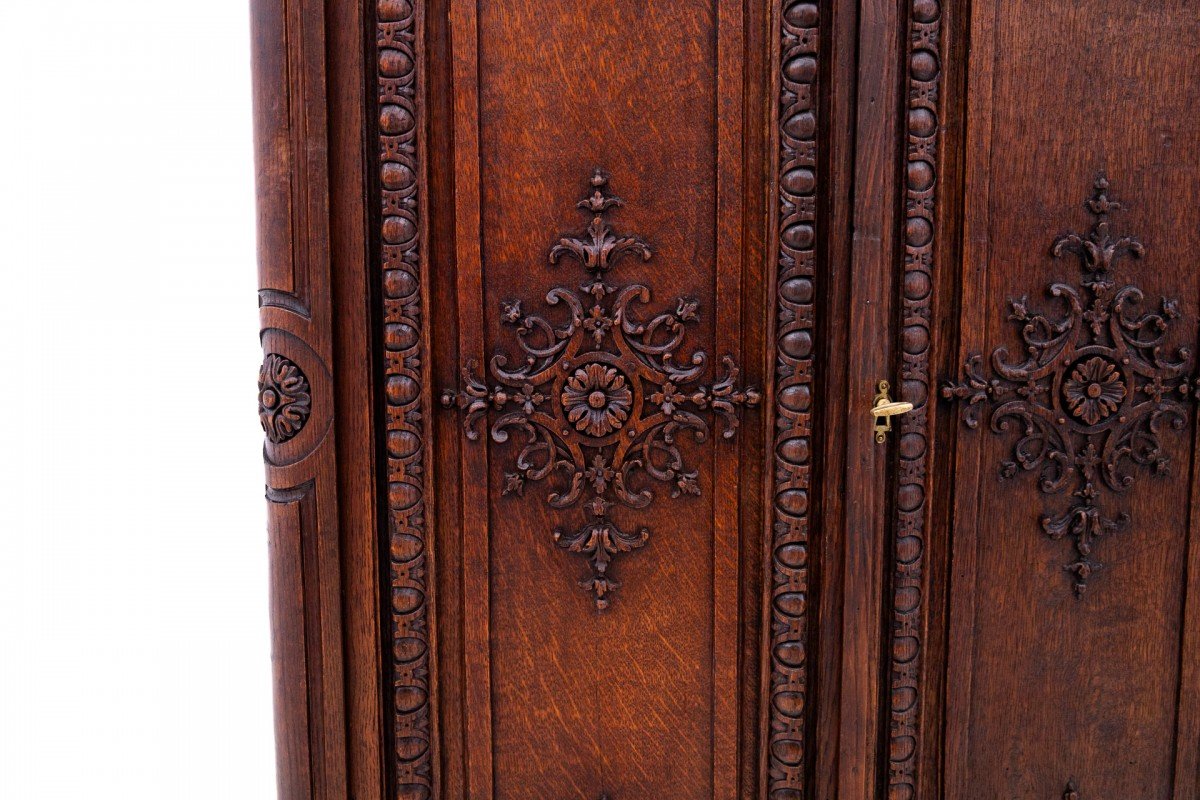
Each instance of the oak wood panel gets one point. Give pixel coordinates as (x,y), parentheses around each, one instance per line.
(1046,686)
(797,168)
(530,127)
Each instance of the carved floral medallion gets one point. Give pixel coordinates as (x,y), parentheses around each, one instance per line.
(1094,390)
(284,400)
(600,402)
(1098,387)
(596,399)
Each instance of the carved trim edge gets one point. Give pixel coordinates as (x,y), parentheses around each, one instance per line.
(911,508)
(787,623)
(405,361)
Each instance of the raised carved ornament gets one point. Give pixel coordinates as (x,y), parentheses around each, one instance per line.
(284,401)
(600,401)
(1097,388)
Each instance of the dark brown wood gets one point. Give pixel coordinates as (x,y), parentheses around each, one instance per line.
(691,225)
(652,260)
(320,435)
(1060,670)
(296,397)
(793,240)
(873,258)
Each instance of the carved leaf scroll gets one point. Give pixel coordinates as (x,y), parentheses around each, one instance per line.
(600,403)
(1096,389)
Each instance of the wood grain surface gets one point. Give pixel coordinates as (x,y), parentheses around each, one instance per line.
(653,258)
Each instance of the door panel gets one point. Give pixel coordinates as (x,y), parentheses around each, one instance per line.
(609,553)
(1073,474)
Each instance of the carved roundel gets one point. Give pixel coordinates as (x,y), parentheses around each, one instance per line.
(597,399)
(1094,389)
(284,399)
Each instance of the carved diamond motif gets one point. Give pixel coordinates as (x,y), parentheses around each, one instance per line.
(1097,388)
(621,396)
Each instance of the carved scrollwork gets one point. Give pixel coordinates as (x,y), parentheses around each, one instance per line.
(1098,386)
(600,401)
(284,398)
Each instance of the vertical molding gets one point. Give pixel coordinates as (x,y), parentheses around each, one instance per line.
(869,317)
(971,274)
(793,249)
(911,506)
(474,518)
(399,70)
(726,460)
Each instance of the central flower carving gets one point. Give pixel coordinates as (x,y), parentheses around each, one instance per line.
(1094,390)
(597,400)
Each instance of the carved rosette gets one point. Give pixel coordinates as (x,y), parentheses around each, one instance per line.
(400,233)
(1097,389)
(284,398)
(796,214)
(600,402)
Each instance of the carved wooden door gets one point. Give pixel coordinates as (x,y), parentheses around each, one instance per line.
(710,399)
(1043,634)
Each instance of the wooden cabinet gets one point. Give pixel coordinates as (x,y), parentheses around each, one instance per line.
(575,319)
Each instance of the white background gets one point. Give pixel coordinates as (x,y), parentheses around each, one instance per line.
(134,647)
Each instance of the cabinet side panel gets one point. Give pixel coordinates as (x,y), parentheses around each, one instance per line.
(296,395)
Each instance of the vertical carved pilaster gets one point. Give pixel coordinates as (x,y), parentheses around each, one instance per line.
(911,507)
(795,219)
(399,67)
